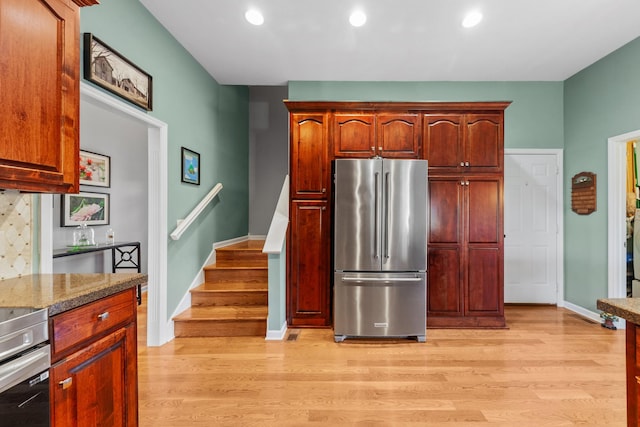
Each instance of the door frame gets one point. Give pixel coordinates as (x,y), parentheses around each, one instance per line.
(558,153)
(159,328)
(616,213)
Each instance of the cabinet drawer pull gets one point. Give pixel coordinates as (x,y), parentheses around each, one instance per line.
(65,384)
(104,316)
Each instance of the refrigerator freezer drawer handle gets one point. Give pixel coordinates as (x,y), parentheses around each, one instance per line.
(382,279)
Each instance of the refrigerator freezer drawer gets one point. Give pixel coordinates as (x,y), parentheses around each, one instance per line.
(380,305)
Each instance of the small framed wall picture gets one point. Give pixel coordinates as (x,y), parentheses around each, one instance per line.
(95,169)
(84,208)
(190,166)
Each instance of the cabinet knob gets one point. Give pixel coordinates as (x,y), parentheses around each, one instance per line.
(380,148)
(104,316)
(638,379)
(373,148)
(466,164)
(461,163)
(66,383)
(324,190)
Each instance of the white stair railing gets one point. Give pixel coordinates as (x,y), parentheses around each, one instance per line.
(183,224)
(278,228)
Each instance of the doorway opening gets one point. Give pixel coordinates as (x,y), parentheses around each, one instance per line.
(159,329)
(617,202)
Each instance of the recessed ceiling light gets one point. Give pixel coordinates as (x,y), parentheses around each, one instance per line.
(358,18)
(254,17)
(472,19)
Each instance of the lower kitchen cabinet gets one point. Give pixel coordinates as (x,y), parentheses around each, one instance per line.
(465,274)
(633,373)
(308,286)
(94,376)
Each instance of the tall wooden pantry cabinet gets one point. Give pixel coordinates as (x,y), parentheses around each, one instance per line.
(463,143)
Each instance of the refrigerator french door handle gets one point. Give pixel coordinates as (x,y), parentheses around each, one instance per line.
(386,215)
(376,220)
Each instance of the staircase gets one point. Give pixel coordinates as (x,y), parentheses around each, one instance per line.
(232,301)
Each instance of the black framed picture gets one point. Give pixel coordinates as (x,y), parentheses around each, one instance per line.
(190,166)
(115,73)
(84,208)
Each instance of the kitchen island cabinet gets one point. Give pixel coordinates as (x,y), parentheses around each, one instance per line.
(40,110)
(94,364)
(93,338)
(629,309)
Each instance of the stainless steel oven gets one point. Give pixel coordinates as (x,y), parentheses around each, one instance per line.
(25,358)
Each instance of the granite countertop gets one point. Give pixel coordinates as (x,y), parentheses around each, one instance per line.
(626,308)
(62,292)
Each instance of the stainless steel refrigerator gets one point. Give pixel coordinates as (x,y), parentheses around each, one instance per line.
(380,248)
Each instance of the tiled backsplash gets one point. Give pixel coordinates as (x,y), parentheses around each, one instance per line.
(16,222)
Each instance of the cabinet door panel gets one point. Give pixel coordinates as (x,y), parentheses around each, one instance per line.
(93,387)
(354,135)
(309,279)
(309,172)
(397,135)
(443,284)
(442,140)
(445,211)
(40,112)
(483,143)
(484,210)
(484,281)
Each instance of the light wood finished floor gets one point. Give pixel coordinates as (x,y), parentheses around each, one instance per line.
(551,368)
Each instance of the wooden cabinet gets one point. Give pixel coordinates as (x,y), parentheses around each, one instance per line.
(465,252)
(464,143)
(309,290)
(633,373)
(365,135)
(40,100)
(310,169)
(94,364)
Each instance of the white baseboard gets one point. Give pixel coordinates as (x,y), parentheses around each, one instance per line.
(620,323)
(277,335)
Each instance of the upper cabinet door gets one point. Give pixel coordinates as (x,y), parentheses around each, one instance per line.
(484,149)
(398,135)
(310,175)
(354,135)
(39,129)
(442,139)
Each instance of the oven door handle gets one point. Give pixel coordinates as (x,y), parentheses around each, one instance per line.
(24,367)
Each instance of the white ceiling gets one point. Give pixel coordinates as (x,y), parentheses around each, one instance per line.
(403,40)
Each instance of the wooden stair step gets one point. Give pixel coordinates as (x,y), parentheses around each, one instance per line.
(247,253)
(214,272)
(217,286)
(219,296)
(226,321)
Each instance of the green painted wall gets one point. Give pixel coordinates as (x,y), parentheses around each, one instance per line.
(202,115)
(533,120)
(600,102)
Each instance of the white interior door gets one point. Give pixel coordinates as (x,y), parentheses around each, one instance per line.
(531,227)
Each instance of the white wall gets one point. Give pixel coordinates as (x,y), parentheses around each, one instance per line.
(125,141)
